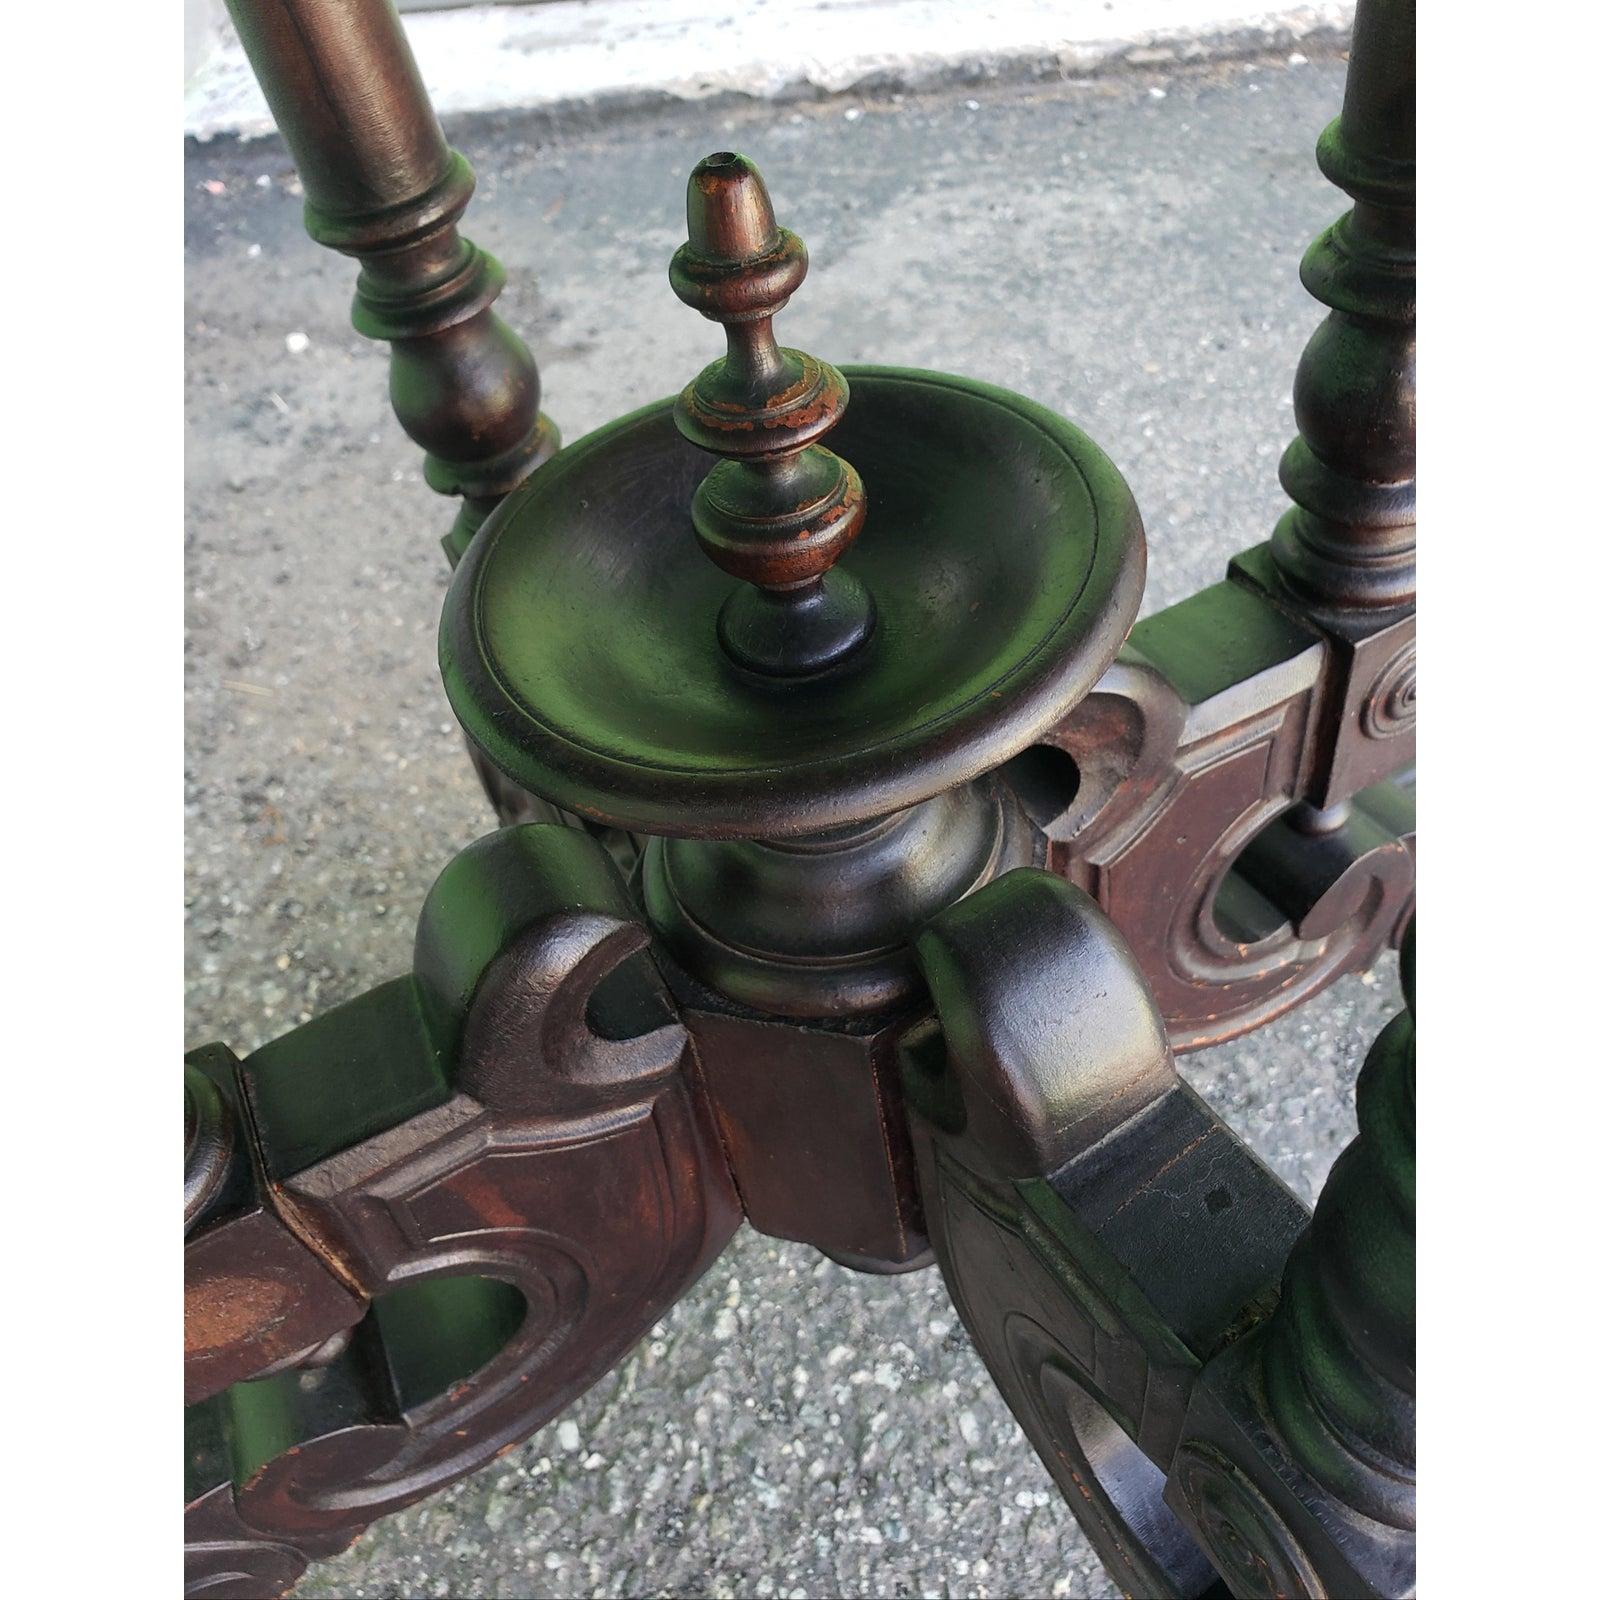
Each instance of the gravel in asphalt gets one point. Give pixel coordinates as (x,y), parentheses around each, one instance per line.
(1124,251)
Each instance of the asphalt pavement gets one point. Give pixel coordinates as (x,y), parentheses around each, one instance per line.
(1124,251)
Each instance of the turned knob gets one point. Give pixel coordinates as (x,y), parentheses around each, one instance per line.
(778,510)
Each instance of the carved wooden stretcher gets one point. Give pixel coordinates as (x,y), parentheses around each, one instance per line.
(859,882)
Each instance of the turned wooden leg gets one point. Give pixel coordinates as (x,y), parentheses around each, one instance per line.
(1297,1471)
(383,186)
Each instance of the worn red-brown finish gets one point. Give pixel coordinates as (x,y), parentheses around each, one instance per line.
(844,1181)
(581,1170)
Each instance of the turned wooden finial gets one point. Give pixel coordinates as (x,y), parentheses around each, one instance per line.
(778,510)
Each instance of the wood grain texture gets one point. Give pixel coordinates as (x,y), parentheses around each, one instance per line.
(558,1186)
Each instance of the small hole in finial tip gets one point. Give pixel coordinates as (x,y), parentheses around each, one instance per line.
(721,158)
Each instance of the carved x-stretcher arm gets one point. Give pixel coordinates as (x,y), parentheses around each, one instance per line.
(1219,1424)
(1221,804)
(421,1225)
(427,1221)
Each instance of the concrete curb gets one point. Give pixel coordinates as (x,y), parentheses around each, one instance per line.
(586,55)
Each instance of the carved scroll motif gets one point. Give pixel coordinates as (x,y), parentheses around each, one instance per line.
(514,1239)
(1188,824)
